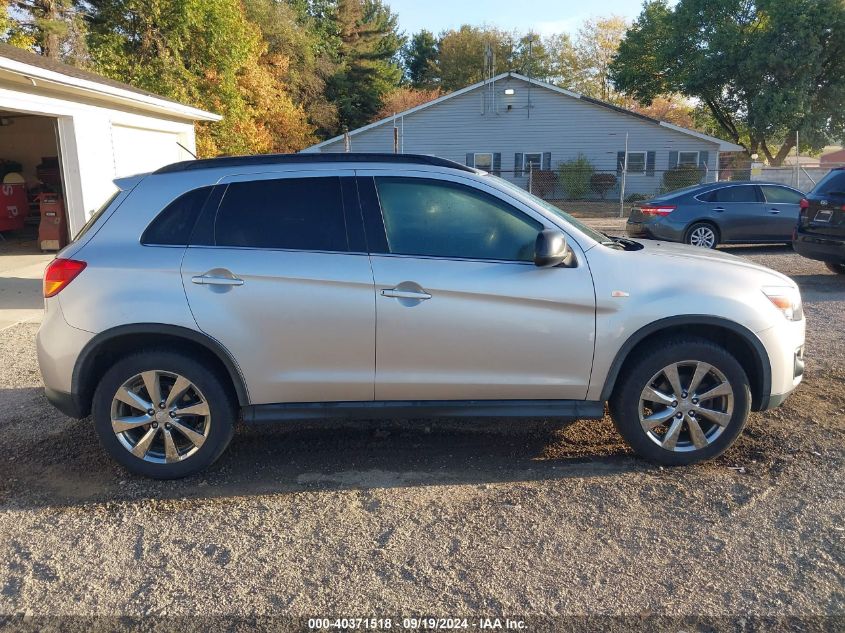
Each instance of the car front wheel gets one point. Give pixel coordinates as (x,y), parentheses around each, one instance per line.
(163,414)
(684,403)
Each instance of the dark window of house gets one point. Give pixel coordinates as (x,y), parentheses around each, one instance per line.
(288,213)
(437,218)
(173,226)
(745,193)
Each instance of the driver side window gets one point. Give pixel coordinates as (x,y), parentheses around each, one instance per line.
(436,218)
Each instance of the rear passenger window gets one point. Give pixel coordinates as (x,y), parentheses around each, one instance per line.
(781,195)
(736,194)
(173,226)
(288,213)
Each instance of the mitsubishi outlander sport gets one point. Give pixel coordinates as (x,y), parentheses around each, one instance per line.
(290,287)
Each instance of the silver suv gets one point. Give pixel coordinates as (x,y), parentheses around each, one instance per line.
(290,287)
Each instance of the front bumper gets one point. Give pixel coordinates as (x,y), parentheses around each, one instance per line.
(784,344)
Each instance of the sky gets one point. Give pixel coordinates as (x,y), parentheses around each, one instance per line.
(543,16)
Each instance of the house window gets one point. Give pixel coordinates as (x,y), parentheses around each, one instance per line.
(636,162)
(484,161)
(532,161)
(687,159)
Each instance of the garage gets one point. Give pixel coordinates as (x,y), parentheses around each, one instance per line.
(66,134)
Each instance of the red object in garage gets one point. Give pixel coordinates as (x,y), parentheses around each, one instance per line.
(13,206)
(52,231)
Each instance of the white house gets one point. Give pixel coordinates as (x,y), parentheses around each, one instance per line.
(98,128)
(511,124)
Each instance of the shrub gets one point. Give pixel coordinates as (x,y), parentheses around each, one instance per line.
(637,197)
(543,183)
(575,177)
(682,176)
(602,182)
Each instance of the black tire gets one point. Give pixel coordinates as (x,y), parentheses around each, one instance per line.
(834,267)
(691,232)
(213,387)
(625,401)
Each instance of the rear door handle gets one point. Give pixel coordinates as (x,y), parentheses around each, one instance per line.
(719,209)
(774,210)
(216,280)
(405,294)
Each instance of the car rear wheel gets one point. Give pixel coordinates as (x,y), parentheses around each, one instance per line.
(702,234)
(163,415)
(683,404)
(833,267)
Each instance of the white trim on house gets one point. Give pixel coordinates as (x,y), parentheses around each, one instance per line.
(642,153)
(525,161)
(37,76)
(724,146)
(475,156)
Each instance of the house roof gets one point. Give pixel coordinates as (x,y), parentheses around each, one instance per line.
(37,67)
(724,146)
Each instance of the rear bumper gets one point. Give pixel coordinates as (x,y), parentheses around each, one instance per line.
(660,229)
(820,247)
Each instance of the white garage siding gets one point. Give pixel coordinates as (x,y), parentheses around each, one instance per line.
(106,129)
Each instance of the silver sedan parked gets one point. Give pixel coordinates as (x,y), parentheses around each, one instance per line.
(719,213)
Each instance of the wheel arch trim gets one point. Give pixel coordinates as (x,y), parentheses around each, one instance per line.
(761,356)
(86,358)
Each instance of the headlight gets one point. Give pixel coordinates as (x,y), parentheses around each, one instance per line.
(786,299)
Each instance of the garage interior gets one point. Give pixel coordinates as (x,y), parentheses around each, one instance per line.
(32,191)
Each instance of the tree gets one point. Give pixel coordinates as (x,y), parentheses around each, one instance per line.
(53,28)
(294,42)
(368,60)
(671,108)
(596,46)
(202,52)
(764,69)
(405,98)
(532,58)
(420,59)
(460,57)
(564,64)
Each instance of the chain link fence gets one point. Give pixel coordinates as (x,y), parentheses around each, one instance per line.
(612,192)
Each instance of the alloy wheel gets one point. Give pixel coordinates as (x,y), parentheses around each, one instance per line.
(160,417)
(686,406)
(703,236)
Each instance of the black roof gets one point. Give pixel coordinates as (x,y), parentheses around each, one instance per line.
(296,159)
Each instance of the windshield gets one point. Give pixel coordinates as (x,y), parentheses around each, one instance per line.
(522,193)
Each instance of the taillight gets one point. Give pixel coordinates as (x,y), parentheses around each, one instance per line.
(59,274)
(661,210)
(804,204)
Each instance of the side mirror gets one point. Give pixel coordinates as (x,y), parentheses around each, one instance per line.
(551,249)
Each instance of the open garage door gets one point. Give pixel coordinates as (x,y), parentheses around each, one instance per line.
(139,150)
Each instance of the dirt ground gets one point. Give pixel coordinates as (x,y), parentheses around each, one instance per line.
(444,519)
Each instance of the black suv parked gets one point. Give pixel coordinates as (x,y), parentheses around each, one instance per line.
(820,233)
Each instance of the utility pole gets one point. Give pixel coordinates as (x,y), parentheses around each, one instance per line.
(624,177)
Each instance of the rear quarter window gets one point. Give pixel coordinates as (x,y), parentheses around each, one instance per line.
(173,226)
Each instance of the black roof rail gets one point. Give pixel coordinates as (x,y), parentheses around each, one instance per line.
(296,159)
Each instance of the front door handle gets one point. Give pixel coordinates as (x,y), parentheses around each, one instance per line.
(774,210)
(217,280)
(719,209)
(396,293)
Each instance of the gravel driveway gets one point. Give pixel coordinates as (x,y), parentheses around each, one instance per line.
(396,520)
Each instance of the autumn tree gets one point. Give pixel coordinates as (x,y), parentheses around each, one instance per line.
(202,52)
(405,98)
(297,55)
(764,69)
(596,46)
(461,55)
